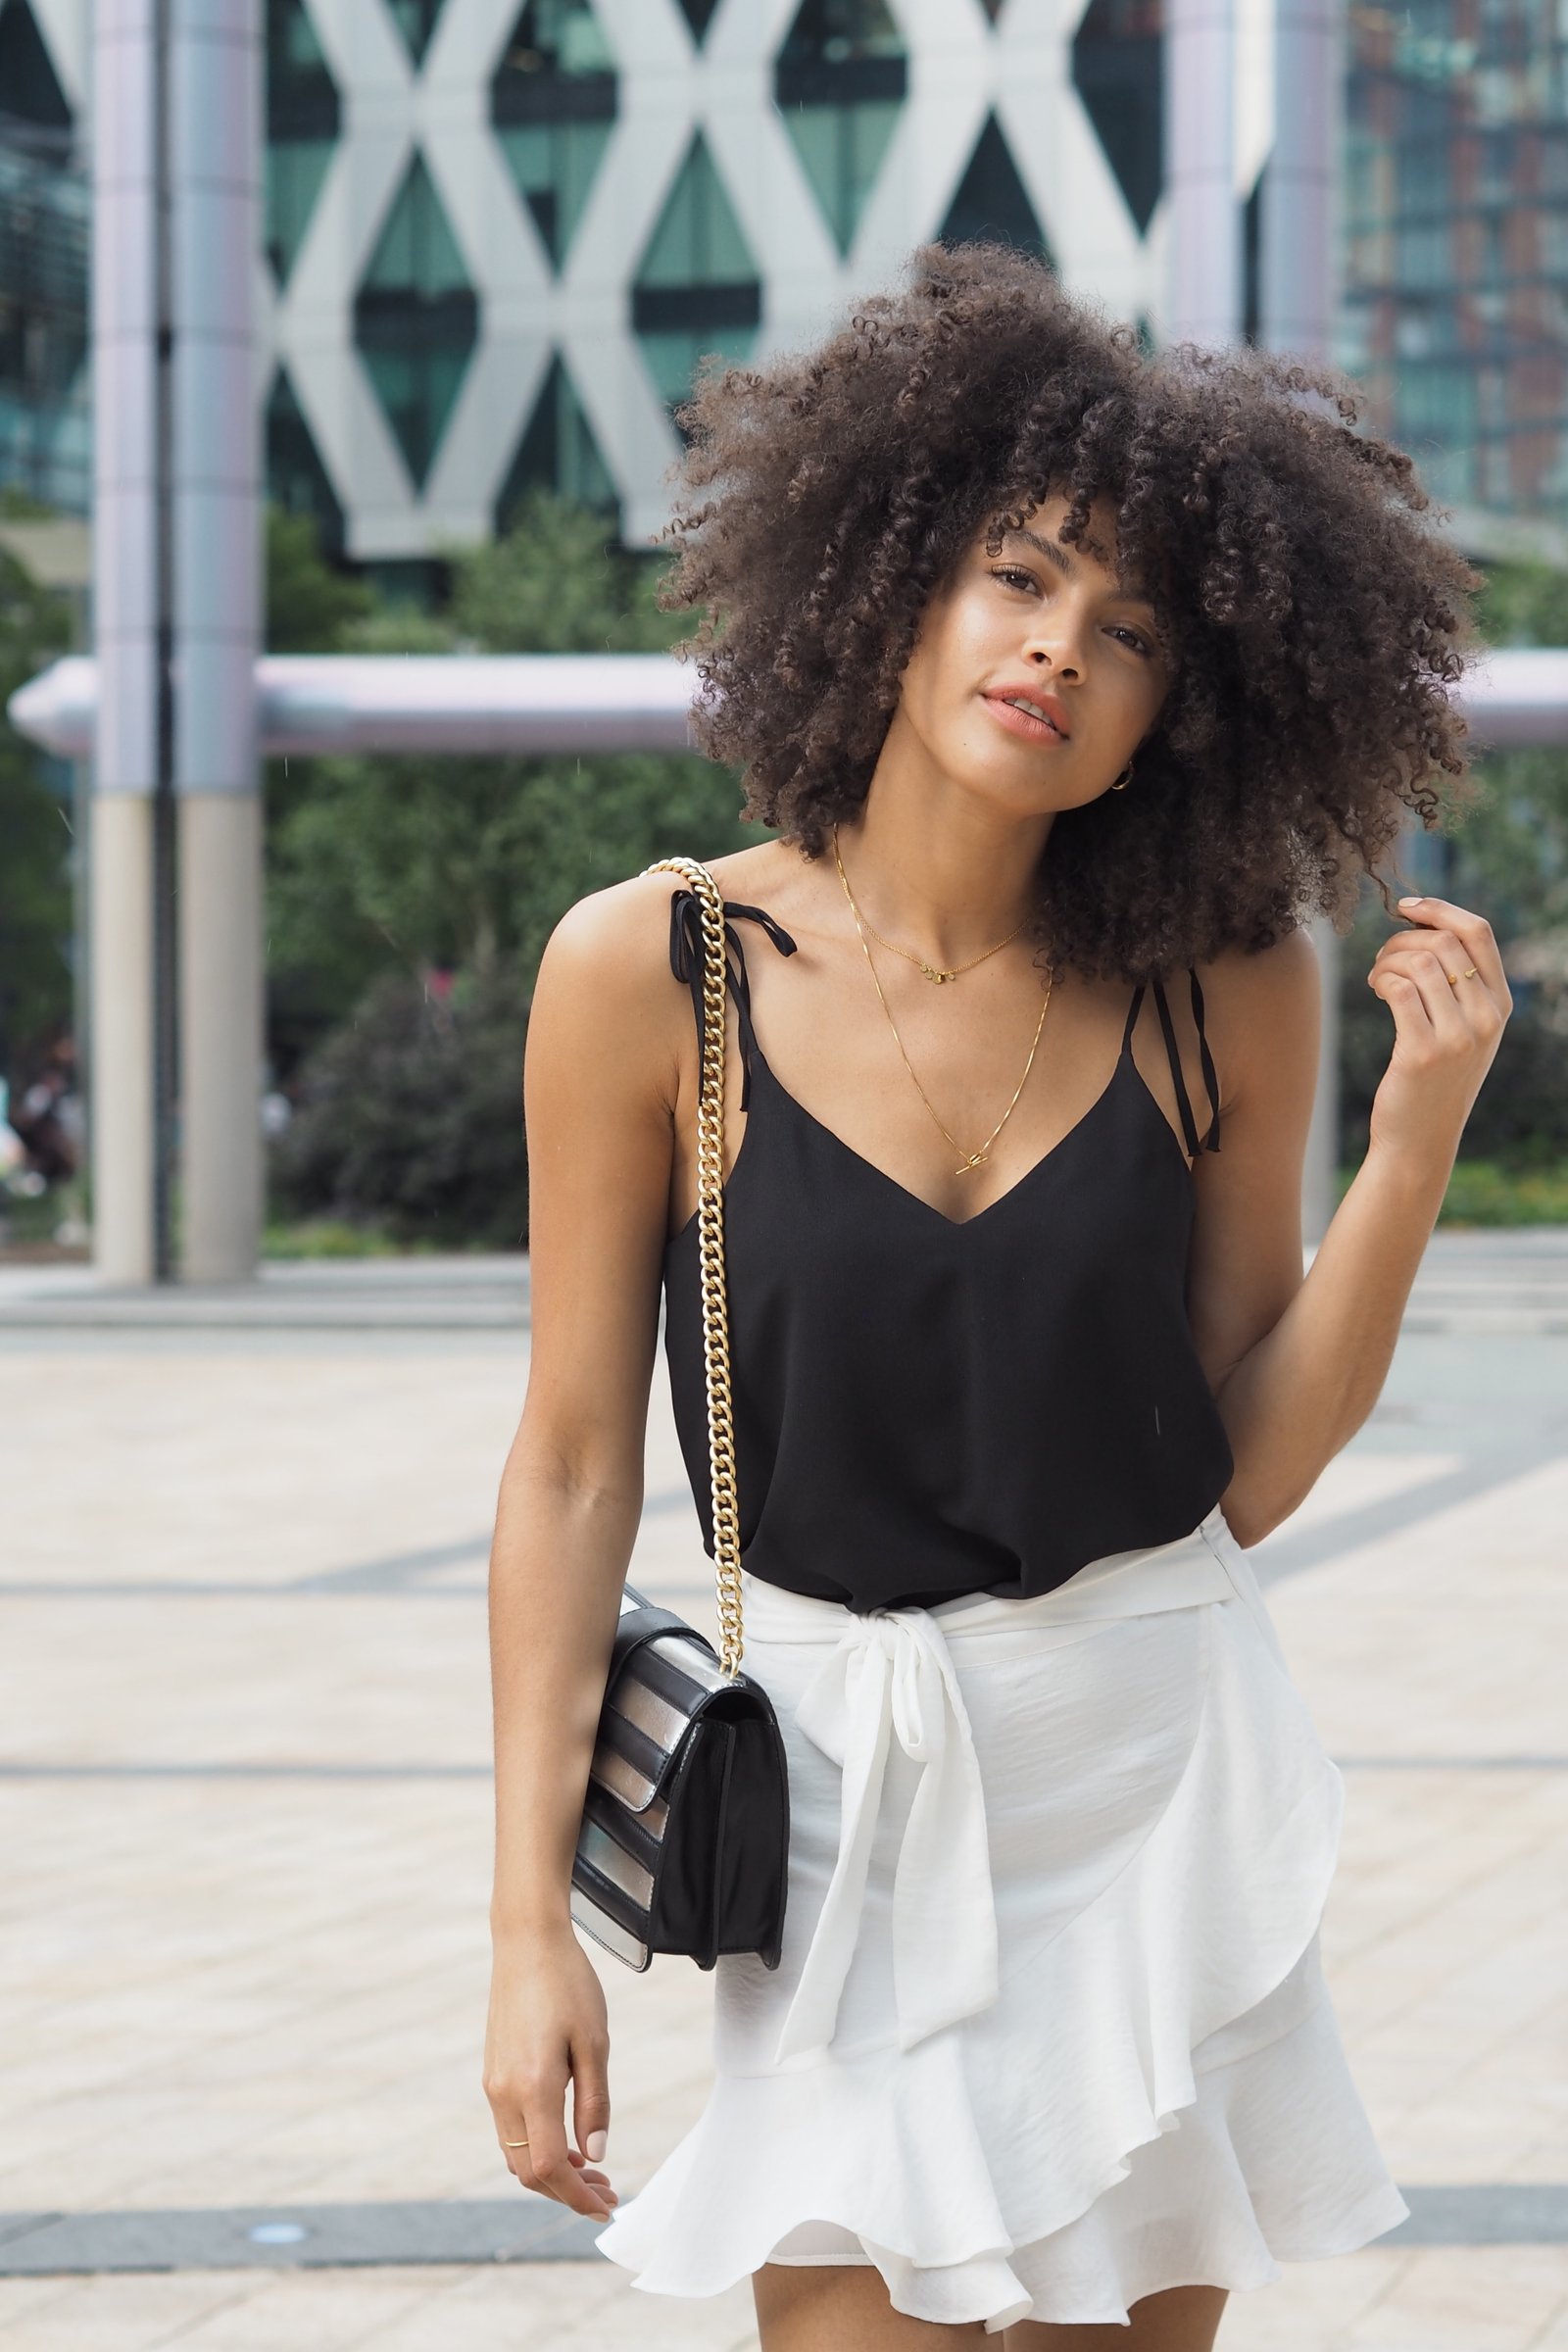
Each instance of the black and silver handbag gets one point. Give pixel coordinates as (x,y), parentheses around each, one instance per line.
(685,1829)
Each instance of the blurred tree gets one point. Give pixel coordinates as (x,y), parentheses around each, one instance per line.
(410,1118)
(457,862)
(1507,857)
(310,607)
(35,910)
(1524,604)
(388,878)
(1512,851)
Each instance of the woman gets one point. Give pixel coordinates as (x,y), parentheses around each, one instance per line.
(1056,669)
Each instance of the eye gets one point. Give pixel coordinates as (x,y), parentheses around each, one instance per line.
(1133,637)
(1015,576)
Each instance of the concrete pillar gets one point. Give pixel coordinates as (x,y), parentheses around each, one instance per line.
(1299,298)
(128,575)
(1300,185)
(1203,220)
(221,1014)
(214,171)
(122,1056)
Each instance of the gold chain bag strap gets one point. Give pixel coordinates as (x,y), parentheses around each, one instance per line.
(684,1842)
(710,1247)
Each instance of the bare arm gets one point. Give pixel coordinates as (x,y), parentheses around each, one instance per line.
(1296,1365)
(599,1080)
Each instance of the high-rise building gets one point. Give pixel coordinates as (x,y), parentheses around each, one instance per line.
(500,233)
(1456,304)
(46,432)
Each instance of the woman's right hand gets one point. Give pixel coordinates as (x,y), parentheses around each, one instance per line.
(547,2028)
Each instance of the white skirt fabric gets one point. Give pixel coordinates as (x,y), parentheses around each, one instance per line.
(1050,2031)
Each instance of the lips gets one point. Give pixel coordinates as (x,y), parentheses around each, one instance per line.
(1038,717)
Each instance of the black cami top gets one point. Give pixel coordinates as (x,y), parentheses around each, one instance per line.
(926,1408)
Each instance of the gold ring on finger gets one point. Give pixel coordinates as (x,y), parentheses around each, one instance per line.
(513,2143)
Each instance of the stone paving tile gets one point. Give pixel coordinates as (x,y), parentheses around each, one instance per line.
(1553,2337)
(535,2308)
(1427,2299)
(207,1465)
(271,1990)
(122,2313)
(1314,2305)
(1450,2298)
(28,2300)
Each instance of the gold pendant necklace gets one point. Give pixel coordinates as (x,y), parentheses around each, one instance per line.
(932,972)
(970,1160)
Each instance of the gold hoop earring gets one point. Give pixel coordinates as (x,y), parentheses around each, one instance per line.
(1124,780)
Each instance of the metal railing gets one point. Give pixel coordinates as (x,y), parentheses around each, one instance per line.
(542,703)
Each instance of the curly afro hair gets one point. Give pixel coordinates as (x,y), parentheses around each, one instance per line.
(1316,623)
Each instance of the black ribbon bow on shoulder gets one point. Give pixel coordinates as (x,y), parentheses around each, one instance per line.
(686,963)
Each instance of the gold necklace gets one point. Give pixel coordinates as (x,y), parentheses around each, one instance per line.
(970,1160)
(932,972)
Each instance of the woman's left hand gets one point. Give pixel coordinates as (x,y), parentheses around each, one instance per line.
(1443,980)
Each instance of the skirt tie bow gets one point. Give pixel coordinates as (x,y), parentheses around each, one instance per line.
(890,1677)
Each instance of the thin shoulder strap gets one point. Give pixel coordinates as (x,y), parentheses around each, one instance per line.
(686,963)
(1211,1142)
(1210,1081)
(1189,1123)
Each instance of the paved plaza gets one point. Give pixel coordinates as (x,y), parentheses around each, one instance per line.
(245,1821)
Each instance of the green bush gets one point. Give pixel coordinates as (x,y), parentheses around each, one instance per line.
(319,1238)
(408,1117)
(1481,1192)
(1485,1192)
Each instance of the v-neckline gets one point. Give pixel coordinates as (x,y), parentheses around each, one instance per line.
(918,1202)
(1019,1183)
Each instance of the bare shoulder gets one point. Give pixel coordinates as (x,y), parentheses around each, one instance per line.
(614,940)
(1263,1012)
(1255,995)
(617,940)
(603,998)
(605,984)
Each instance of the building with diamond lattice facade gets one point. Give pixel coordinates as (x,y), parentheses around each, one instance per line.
(500,233)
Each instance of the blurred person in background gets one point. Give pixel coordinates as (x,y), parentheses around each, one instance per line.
(1070,681)
(46,1116)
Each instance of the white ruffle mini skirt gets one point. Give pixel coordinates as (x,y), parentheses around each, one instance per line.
(1050,2031)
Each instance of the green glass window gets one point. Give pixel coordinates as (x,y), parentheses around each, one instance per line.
(296,478)
(991,202)
(697,289)
(699,15)
(839,83)
(45,206)
(415,320)
(1117,71)
(29,88)
(416,21)
(302,129)
(551,103)
(558,451)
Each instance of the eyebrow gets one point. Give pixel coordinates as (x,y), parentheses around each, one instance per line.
(1054,553)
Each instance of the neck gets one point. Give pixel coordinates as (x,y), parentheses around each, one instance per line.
(940,870)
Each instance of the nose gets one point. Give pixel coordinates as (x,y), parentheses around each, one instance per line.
(1053,645)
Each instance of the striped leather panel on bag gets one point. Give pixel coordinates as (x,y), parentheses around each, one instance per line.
(648,1709)
(642,1725)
